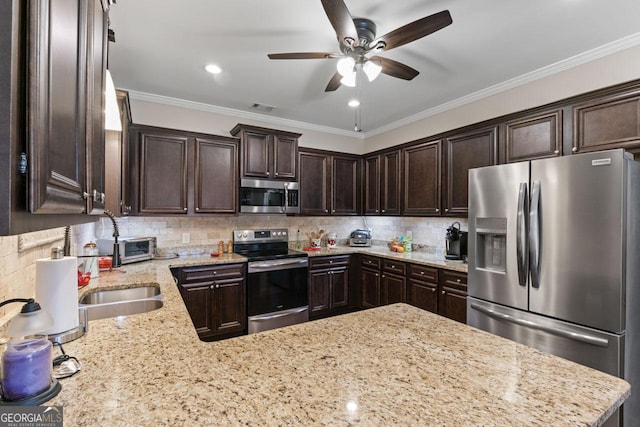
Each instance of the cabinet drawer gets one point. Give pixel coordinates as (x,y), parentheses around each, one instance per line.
(394,267)
(370,262)
(207,273)
(317,263)
(423,273)
(454,280)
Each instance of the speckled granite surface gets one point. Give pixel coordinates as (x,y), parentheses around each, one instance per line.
(394,365)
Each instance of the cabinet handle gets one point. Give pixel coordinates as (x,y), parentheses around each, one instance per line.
(574,149)
(326,211)
(217,286)
(331,261)
(211,287)
(383,211)
(433,290)
(556,152)
(458,280)
(184,209)
(377,211)
(333,211)
(376,274)
(197,209)
(446,210)
(268,173)
(422,273)
(443,292)
(276,174)
(393,266)
(437,210)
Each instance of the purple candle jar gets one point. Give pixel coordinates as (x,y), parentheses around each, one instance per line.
(26,367)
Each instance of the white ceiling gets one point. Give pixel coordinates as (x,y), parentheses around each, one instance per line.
(162,47)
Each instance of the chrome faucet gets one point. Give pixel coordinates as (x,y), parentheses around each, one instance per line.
(115,258)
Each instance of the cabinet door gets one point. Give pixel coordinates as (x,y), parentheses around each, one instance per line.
(285,153)
(421,182)
(216,176)
(314,184)
(339,288)
(534,137)
(344,186)
(197,299)
(390,183)
(371,185)
(370,288)
(229,311)
(257,155)
(163,174)
(319,292)
(605,123)
(423,295)
(56,91)
(96,71)
(471,150)
(452,302)
(393,289)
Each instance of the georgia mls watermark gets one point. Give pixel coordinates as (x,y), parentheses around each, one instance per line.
(30,416)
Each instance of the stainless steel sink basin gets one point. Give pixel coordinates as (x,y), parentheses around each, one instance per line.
(109,303)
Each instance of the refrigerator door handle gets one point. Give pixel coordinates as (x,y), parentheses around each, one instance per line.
(534,235)
(588,339)
(521,230)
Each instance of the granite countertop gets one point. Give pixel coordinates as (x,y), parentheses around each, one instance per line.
(393,365)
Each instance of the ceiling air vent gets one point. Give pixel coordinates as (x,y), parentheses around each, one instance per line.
(263,107)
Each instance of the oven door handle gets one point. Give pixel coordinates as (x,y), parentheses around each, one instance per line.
(258,266)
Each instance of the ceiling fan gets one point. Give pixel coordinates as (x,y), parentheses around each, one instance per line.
(357,38)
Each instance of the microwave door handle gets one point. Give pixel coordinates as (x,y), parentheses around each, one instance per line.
(521,230)
(534,235)
(286,199)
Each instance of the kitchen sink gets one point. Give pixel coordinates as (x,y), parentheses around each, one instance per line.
(109,303)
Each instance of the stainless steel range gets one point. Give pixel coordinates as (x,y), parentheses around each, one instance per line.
(276,280)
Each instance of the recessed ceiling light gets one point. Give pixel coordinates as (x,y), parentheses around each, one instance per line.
(354,103)
(213,69)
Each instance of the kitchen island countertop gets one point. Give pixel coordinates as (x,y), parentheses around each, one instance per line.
(393,365)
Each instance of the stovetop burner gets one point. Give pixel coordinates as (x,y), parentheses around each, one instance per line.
(261,245)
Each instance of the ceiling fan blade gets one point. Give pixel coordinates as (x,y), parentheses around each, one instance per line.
(304,55)
(334,83)
(395,68)
(415,30)
(341,21)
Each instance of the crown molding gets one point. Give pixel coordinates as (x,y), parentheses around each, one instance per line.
(549,70)
(183,103)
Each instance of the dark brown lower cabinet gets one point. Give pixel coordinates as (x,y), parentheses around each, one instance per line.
(422,289)
(215,296)
(452,301)
(328,285)
(370,281)
(393,284)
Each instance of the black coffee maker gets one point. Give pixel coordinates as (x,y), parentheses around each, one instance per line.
(456,242)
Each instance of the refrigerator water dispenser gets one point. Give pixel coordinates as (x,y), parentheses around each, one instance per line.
(491,244)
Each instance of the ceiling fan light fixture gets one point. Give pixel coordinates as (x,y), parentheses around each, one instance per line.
(346,65)
(349,80)
(371,69)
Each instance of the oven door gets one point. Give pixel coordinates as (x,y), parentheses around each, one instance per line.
(277,293)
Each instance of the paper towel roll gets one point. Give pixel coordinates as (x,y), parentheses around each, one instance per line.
(57,291)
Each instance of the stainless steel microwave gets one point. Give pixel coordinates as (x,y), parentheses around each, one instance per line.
(269,196)
(131,249)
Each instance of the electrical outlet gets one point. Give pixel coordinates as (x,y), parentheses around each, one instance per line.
(186,237)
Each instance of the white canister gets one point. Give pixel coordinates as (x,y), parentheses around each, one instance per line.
(332,240)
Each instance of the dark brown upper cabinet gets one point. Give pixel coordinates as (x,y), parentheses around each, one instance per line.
(65,92)
(534,137)
(117,160)
(329,183)
(470,150)
(421,179)
(267,153)
(608,122)
(179,172)
(382,180)
(216,176)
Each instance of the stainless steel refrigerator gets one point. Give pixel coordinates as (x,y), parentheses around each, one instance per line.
(554,260)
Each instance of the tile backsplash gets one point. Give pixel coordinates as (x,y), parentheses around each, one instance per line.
(18,254)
